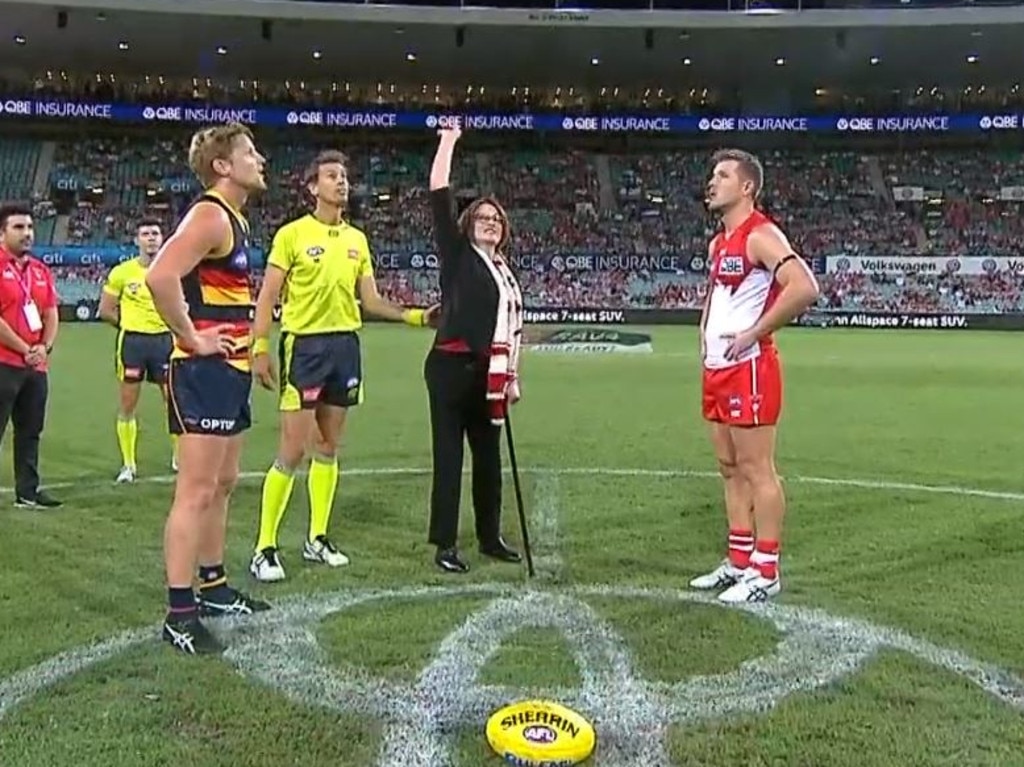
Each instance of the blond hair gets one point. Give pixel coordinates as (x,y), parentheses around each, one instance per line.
(211,144)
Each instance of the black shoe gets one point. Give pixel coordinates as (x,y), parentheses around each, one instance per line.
(500,550)
(190,637)
(41,500)
(450,561)
(229,601)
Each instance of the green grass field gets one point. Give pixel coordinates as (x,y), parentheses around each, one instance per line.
(618,483)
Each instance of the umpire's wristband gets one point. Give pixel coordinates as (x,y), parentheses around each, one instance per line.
(414,317)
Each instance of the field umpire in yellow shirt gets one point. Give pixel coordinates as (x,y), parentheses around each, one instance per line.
(318,265)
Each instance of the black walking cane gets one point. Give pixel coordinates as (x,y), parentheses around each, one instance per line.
(519,494)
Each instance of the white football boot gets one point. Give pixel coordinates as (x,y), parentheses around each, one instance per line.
(752,587)
(723,576)
(266,566)
(323,551)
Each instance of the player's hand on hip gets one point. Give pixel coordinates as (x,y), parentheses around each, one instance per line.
(263,369)
(738,343)
(210,342)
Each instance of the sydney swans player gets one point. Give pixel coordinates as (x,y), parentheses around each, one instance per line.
(757,285)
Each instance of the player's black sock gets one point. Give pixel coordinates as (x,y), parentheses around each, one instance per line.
(210,573)
(181,603)
(213,583)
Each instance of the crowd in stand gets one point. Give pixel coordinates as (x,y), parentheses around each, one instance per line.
(564,201)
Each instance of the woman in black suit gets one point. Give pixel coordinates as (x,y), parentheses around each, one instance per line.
(471,371)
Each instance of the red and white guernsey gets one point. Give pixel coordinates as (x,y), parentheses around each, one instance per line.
(741,291)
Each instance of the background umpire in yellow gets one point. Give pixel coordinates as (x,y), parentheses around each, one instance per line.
(318,265)
(144,341)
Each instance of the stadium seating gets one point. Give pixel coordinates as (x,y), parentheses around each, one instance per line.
(830,203)
(19,158)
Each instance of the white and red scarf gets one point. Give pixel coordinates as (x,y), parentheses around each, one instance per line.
(503,366)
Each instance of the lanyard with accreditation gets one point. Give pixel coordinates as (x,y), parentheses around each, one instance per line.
(32,316)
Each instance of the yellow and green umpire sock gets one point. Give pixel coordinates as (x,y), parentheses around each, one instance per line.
(277,489)
(322,484)
(127,439)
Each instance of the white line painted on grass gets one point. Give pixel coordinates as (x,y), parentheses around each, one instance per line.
(544,527)
(31,681)
(632,715)
(867,484)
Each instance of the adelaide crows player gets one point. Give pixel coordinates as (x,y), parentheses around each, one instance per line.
(200,285)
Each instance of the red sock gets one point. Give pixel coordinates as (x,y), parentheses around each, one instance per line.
(741,544)
(766,559)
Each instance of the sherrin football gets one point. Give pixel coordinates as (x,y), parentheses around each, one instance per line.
(540,733)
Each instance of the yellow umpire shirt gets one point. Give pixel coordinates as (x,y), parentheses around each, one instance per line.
(323,263)
(127,282)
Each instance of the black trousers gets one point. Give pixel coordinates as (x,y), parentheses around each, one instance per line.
(23,393)
(457,389)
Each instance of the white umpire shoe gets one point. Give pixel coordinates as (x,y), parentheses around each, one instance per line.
(752,587)
(266,566)
(323,551)
(723,576)
(126,475)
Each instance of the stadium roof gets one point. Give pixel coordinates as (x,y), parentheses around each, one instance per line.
(186,44)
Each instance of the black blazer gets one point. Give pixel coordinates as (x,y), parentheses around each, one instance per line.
(469,297)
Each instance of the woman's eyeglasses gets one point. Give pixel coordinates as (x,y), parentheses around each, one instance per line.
(495,219)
